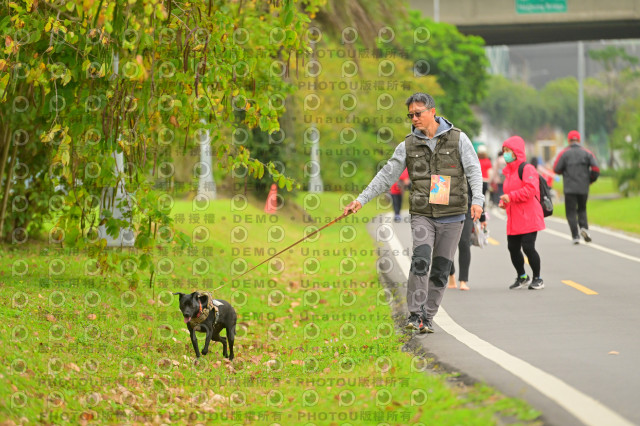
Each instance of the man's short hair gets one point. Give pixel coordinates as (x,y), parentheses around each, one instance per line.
(422,98)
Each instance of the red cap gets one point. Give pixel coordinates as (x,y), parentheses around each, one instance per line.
(573,135)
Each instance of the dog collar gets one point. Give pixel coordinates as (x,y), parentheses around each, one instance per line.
(204,313)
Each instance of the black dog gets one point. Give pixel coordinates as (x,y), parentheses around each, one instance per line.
(205,314)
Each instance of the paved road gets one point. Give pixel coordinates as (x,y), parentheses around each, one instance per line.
(572,355)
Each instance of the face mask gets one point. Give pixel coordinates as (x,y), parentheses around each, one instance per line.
(509,157)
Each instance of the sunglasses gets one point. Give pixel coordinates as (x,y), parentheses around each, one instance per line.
(417,113)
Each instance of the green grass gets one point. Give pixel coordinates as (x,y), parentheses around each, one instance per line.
(621,213)
(316,342)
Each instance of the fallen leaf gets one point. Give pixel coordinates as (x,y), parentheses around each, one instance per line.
(92,317)
(73,367)
(218,399)
(614,353)
(51,318)
(417,416)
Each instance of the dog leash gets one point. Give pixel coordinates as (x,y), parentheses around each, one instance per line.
(342,216)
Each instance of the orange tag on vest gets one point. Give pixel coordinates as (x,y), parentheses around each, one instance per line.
(440,188)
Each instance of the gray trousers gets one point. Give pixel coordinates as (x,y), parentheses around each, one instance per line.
(434,247)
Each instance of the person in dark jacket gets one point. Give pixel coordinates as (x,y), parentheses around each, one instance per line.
(579,168)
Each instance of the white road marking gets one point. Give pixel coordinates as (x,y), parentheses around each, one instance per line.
(600,229)
(592,245)
(582,406)
(596,246)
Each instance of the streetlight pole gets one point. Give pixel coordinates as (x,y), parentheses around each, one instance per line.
(581,89)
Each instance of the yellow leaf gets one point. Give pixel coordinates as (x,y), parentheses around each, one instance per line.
(64,158)
(47,27)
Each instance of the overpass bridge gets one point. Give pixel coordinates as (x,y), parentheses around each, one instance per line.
(507,22)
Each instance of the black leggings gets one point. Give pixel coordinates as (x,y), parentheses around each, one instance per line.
(575,206)
(397,203)
(528,244)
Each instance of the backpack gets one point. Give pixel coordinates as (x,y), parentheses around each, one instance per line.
(545,192)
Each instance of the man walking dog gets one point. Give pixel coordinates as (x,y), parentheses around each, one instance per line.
(579,169)
(440,159)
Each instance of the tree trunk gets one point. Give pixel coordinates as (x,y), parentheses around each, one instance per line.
(5,152)
(206,184)
(7,188)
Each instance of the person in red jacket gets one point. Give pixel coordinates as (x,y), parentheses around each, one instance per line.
(396,194)
(485,166)
(524,213)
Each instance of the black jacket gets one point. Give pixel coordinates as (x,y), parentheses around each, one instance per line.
(578,167)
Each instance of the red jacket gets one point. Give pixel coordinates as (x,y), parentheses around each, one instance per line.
(397,189)
(524,212)
(485,166)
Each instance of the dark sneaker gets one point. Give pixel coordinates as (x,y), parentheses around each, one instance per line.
(536,284)
(576,241)
(414,322)
(520,282)
(397,218)
(427,326)
(585,234)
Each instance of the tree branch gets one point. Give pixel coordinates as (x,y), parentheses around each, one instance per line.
(66,15)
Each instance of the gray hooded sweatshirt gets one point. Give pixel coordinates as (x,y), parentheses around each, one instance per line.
(391,172)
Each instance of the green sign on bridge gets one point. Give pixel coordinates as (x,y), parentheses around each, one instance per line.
(541,6)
